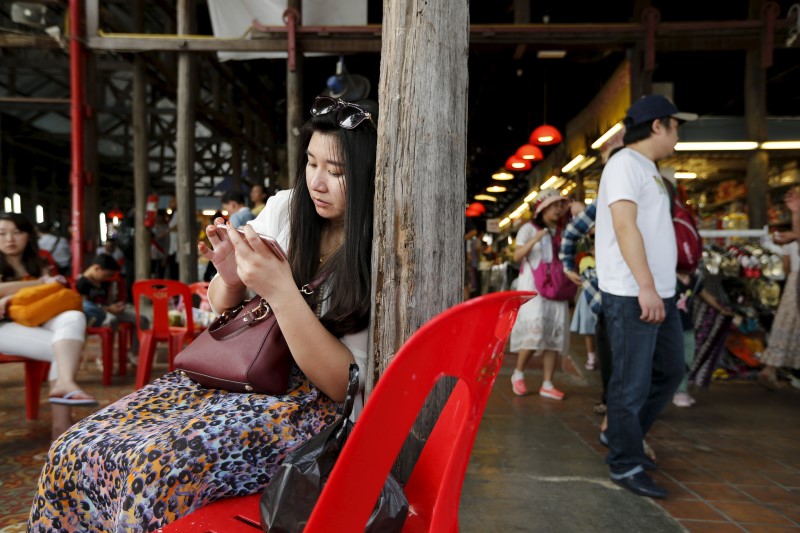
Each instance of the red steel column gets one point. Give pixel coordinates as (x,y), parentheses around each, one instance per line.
(76,114)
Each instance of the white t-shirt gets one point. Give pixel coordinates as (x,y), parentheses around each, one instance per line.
(629,175)
(274,222)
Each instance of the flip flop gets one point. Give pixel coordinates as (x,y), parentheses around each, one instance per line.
(76,397)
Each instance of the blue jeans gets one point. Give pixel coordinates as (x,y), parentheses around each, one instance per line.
(647,367)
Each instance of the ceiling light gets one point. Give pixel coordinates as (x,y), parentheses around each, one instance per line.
(485,198)
(712,146)
(553,182)
(781,145)
(607,135)
(531,196)
(572,164)
(551,54)
(505,222)
(588,201)
(496,188)
(545,135)
(587,163)
(502,175)
(517,163)
(531,152)
(682,175)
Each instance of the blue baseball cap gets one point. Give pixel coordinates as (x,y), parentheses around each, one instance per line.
(651,107)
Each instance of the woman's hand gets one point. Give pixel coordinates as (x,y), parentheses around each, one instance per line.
(792,200)
(574,277)
(222,255)
(258,267)
(54,279)
(4,306)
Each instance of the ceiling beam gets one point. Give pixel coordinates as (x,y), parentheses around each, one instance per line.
(687,36)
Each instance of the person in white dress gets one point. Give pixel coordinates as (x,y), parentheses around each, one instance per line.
(542,325)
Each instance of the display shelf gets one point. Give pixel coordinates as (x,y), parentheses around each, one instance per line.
(717,205)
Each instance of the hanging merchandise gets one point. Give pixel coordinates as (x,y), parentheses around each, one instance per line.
(745,274)
(151,211)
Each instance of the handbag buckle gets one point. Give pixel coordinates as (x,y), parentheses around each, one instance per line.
(260,313)
(232,312)
(307,289)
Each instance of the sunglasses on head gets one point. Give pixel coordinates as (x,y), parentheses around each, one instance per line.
(348,116)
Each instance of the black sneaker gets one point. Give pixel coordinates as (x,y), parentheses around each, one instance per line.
(642,485)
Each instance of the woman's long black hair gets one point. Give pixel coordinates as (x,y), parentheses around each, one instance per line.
(30,255)
(349,269)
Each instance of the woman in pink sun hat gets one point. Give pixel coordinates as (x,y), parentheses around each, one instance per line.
(542,325)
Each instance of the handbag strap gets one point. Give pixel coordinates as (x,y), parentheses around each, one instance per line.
(257,309)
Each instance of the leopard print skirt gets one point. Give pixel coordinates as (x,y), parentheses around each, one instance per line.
(168,449)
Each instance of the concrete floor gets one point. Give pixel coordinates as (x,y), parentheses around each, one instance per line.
(731,462)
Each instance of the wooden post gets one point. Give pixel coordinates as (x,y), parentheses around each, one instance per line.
(294,106)
(755,116)
(141,169)
(184,164)
(418,253)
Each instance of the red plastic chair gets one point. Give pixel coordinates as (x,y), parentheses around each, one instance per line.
(160,292)
(466,342)
(200,288)
(35,374)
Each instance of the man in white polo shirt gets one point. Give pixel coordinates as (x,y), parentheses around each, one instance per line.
(636,261)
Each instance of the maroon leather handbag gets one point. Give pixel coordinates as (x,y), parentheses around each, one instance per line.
(243,350)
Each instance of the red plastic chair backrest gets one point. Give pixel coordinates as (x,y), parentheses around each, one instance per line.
(466,342)
(200,288)
(162,293)
(47,257)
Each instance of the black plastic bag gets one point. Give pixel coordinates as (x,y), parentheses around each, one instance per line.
(293,492)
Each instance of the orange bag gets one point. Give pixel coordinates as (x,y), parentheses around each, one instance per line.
(33,306)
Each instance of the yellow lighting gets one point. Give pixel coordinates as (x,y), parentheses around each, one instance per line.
(606,136)
(545,138)
(703,146)
(519,211)
(209,212)
(587,163)
(502,175)
(588,201)
(553,182)
(531,196)
(485,198)
(685,175)
(496,188)
(518,164)
(781,145)
(549,183)
(572,164)
(505,222)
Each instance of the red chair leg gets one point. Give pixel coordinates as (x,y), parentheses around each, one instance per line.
(147,350)
(124,340)
(107,339)
(33,387)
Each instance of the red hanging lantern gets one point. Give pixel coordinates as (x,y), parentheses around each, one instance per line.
(115,214)
(531,152)
(517,164)
(546,135)
(477,207)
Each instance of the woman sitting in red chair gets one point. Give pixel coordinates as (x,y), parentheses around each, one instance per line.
(60,340)
(173,446)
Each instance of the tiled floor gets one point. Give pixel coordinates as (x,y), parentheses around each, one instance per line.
(731,462)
